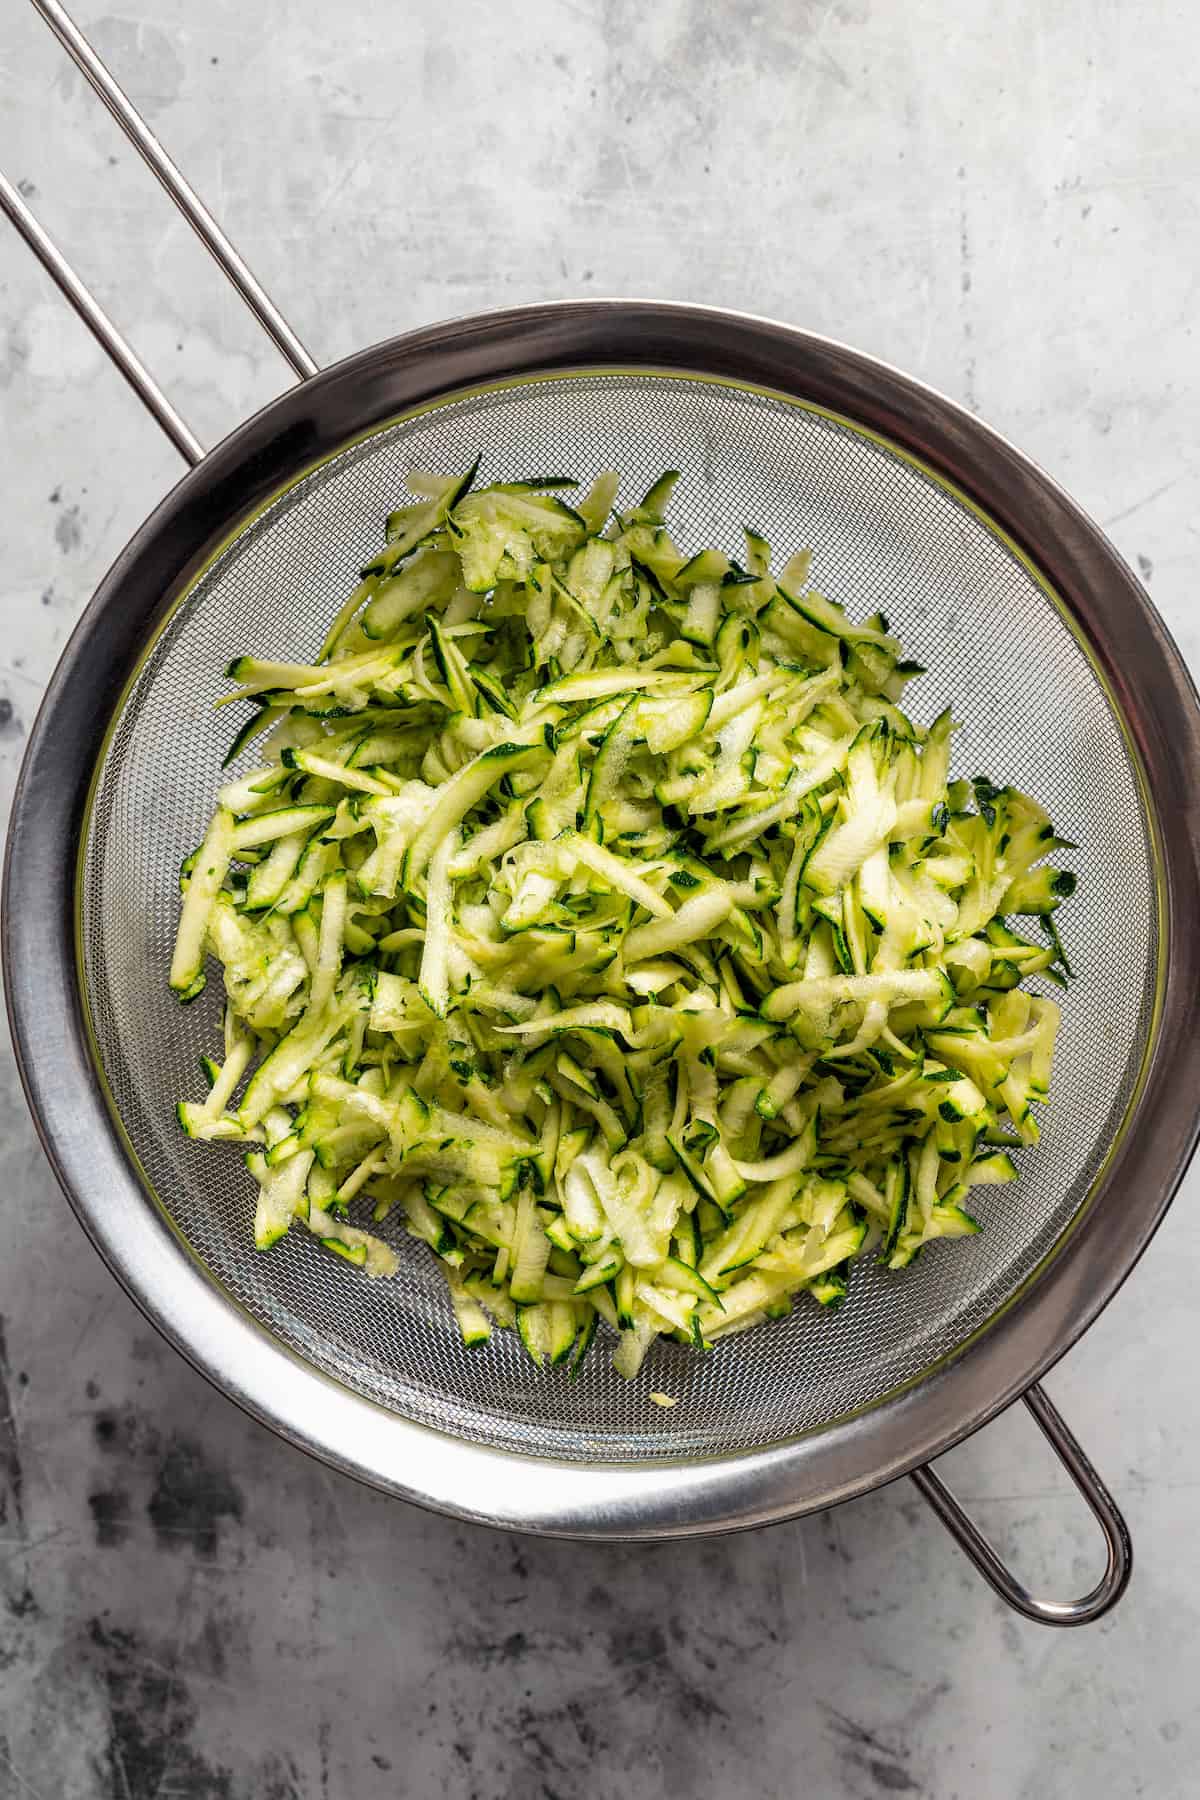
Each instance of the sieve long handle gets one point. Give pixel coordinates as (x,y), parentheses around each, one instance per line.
(115,346)
(99,323)
(181,191)
(963,1529)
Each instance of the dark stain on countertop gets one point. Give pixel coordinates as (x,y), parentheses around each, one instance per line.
(15,353)
(191,1496)
(110,1509)
(511,1649)
(68,531)
(150,1721)
(633,1643)
(12,1476)
(892,1778)
(123,1431)
(22,1605)
(881,1762)
(280,1780)
(642,1689)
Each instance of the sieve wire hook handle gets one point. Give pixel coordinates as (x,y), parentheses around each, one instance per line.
(181,191)
(193,209)
(999,1577)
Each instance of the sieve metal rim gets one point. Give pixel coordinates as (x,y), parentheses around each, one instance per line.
(1130,648)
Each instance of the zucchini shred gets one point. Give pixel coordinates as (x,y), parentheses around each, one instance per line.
(596,909)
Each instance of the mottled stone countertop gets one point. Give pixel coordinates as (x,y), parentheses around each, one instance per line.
(1002,200)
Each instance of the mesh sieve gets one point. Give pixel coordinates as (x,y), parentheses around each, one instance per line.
(885,534)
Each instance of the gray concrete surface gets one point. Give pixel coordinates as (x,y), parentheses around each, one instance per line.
(1002,200)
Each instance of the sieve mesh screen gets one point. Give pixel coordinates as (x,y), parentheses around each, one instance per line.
(884,535)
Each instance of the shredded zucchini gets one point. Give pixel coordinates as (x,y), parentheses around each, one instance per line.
(597,910)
